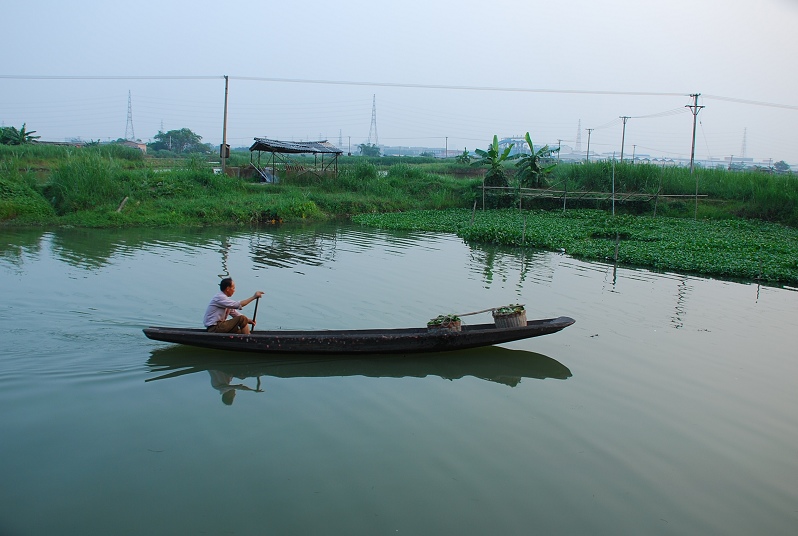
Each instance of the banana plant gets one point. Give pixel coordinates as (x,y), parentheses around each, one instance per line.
(12,136)
(531,167)
(494,159)
(464,158)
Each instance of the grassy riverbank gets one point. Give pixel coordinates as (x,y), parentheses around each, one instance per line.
(90,187)
(114,186)
(51,185)
(747,250)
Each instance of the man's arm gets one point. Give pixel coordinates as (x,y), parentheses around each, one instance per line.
(249,300)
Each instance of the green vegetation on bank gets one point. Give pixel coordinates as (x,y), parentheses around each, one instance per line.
(750,250)
(51,185)
(117,186)
(746,194)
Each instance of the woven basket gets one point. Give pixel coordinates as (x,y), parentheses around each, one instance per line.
(510,320)
(447,326)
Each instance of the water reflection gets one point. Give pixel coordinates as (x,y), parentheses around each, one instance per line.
(385,260)
(500,264)
(293,246)
(495,364)
(95,248)
(17,244)
(223,382)
(318,245)
(680,310)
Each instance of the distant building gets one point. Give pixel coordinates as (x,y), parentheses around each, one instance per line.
(62,143)
(141,146)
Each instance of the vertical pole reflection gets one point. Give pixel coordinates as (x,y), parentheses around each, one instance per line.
(680,310)
(225,251)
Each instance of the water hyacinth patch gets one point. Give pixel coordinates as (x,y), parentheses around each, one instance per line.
(750,250)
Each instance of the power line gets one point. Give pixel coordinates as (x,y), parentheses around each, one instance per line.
(109,77)
(468,88)
(394,84)
(607,125)
(666,113)
(753,102)
(345,83)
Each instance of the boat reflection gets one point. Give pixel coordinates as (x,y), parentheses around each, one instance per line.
(493,363)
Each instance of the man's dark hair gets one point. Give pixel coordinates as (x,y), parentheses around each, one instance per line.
(225,283)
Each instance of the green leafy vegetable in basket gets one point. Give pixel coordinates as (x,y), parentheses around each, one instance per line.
(509,310)
(443,320)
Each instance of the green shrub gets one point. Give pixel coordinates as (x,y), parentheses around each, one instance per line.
(18,201)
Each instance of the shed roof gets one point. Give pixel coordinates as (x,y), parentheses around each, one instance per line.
(295,147)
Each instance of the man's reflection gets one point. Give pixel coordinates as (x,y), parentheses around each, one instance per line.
(221,382)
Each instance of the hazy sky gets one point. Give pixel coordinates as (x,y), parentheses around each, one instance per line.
(543,67)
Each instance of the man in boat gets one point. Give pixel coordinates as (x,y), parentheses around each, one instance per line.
(223,305)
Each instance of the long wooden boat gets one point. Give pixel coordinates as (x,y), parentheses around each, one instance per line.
(360,341)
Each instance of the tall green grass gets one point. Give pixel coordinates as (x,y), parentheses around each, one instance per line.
(34,153)
(750,194)
(84,182)
(19,199)
(363,187)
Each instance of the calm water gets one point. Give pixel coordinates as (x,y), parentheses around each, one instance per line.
(670,407)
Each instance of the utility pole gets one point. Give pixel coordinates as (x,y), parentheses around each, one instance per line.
(446,151)
(623,135)
(613,182)
(587,155)
(634,151)
(695,108)
(559,146)
(223,152)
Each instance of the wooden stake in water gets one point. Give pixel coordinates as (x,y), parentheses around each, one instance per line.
(659,189)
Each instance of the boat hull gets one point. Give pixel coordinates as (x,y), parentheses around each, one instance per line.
(369,341)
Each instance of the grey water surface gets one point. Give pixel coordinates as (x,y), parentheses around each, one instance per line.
(670,407)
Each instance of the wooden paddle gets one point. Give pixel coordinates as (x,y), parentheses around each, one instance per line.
(255,314)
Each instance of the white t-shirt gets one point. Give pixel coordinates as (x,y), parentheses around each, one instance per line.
(220,307)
